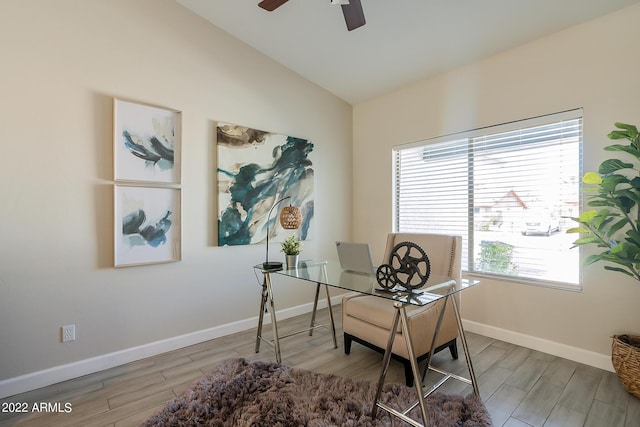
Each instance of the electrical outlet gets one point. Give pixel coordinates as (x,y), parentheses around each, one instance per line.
(68,333)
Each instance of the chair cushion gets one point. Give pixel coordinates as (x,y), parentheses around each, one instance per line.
(377,311)
(370,318)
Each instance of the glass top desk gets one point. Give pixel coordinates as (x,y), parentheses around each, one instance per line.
(437,289)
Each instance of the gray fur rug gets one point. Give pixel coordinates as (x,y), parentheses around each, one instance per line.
(253,393)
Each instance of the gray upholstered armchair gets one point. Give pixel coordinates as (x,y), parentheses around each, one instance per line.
(367,319)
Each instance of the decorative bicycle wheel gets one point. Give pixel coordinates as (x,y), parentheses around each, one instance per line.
(410,265)
(384,276)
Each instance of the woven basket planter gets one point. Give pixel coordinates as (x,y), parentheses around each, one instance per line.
(625,355)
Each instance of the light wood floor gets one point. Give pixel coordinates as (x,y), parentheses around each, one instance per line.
(520,387)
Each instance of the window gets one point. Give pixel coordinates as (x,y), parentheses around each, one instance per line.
(505,189)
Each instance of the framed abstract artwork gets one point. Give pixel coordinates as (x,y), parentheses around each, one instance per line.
(256,169)
(147,225)
(146,143)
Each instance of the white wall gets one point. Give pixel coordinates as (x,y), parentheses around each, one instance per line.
(594,66)
(62,64)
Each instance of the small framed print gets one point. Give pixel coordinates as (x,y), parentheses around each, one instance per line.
(147,225)
(147,142)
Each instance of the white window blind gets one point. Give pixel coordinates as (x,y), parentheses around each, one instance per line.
(505,189)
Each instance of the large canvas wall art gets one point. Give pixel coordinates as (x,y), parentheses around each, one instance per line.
(147,225)
(255,169)
(146,143)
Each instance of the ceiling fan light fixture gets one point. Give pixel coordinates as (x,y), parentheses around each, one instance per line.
(351,9)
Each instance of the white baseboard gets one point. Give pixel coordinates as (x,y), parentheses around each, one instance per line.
(56,374)
(576,354)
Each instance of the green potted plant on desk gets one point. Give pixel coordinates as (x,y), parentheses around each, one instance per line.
(614,227)
(291,248)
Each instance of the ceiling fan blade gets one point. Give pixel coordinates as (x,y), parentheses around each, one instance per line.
(271,5)
(353,14)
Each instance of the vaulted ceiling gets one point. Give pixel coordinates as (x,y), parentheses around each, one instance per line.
(403,41)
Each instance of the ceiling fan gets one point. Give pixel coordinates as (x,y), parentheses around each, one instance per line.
(351,9)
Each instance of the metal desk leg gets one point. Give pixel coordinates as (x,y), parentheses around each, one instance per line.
(329,306)
(333,325)
(401,314)
(267,294)
(312,325)
(417,381)
(315,307)
(274,322)
(263,300)
(465,348)
(436,331)
(385,363)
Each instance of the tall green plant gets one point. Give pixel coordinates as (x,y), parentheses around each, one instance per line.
(615,194)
